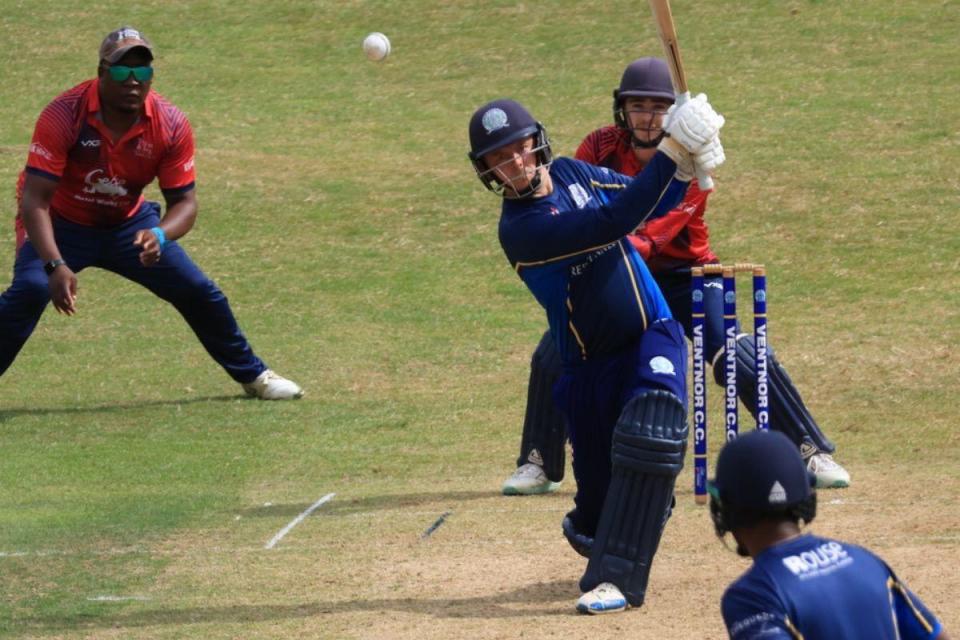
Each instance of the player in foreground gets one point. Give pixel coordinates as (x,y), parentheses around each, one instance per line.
(670,245)
(95,148)
(800,585)
(623,390)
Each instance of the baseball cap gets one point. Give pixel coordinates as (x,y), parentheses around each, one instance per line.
(119,42)
(761,471)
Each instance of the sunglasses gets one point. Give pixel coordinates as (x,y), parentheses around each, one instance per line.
(121,73)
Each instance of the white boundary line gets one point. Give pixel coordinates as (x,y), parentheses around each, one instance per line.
(275,539)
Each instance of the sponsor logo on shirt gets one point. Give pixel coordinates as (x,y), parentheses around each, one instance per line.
(819,561)
(579,195)
(755,619)
(144,149)
(99,183)
(40,150)
(188,165)
(580,268)
(91,143)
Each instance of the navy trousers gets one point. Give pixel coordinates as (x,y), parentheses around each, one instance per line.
(592,394)
(175,278)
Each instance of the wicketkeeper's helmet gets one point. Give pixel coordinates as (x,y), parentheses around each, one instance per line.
(643,78)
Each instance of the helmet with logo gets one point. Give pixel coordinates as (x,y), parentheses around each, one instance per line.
(760,476)
(643,78)
(500,123)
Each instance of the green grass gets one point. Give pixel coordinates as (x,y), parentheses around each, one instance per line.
(359,252)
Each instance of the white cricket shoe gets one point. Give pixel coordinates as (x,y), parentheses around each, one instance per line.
(605,598)
(830,475)
(270,386)
(529,479)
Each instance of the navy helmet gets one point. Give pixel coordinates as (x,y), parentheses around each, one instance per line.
(760,475)
(500,123)
(643,78)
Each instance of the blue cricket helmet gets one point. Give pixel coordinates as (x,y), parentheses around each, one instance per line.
(499,123)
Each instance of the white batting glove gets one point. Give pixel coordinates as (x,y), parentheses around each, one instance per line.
(710,156)
(681,156)
(694,123)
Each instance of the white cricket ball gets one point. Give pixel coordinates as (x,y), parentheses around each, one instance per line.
(376,46)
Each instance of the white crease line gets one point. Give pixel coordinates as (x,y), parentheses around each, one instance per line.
(118,598)
(275,539)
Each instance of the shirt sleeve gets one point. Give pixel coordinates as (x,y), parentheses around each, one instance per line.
(751,614)
(52,138)
(542,236)
(652,236)
(587,151)
(177,171)
(914,620)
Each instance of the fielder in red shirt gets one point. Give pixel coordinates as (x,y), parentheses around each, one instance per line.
(671,245)
(80,204)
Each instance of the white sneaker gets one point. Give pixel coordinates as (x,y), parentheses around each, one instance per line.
(528,480)
(605,598)
(830,475)
(270,386)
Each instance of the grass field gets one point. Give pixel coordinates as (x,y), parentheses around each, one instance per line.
(138,488)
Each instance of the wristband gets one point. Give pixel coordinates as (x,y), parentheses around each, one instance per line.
(161,237)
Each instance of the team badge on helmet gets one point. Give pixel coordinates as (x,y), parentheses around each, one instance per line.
(495,119)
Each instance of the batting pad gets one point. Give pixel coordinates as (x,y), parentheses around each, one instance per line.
(543,426)
(649,443)
(788,413)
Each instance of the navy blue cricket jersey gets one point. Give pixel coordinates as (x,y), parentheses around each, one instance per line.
(570,250)
(821,589)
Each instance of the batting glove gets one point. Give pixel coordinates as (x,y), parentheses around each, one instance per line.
(694,123)
(681,156)
(710,156)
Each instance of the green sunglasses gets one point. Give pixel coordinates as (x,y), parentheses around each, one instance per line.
(120,73)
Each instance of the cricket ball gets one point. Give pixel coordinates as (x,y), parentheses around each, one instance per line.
(376,46)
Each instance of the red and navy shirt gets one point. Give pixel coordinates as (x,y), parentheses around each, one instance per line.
(677,240)
(100,182)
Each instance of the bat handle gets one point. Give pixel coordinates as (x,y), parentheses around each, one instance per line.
(704,179)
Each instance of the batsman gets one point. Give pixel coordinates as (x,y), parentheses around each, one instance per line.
(622,391)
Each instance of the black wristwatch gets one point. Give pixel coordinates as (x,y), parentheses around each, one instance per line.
(51,266)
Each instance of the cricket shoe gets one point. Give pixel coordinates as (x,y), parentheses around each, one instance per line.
(604,598)
(270,386)
(830,475)
(528,480)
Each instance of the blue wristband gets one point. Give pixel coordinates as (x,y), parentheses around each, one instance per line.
(161,237)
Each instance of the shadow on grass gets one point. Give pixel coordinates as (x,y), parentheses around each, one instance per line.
(338,507)
(497,605)
(9,414)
